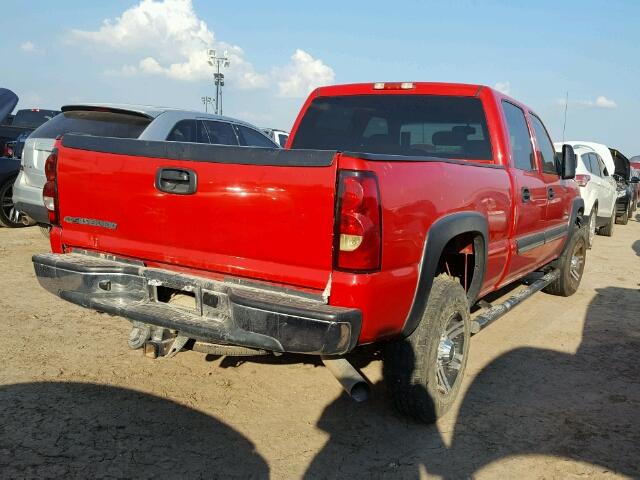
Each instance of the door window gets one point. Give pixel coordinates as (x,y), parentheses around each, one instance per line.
(519,137)
(251,138)
(595,167)
(220,133)
(188,131)
(603,168)
(546,152)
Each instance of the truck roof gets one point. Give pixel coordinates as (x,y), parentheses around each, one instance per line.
(463,89)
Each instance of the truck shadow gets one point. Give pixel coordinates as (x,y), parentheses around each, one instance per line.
(76,430)
(581,406)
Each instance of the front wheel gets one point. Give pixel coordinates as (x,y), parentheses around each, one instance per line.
(571,265)
(9,216)
(424,371)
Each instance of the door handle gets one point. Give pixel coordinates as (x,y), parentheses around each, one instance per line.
(178,181)
(526,195)
(550,193)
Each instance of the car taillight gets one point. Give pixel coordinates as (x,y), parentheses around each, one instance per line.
(582,180)
(358,242)
(50,190)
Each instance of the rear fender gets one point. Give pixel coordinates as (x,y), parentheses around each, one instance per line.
(439,234)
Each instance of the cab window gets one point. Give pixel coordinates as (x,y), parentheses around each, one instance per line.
(546,152)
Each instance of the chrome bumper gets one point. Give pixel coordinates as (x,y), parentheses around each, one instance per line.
(226,312)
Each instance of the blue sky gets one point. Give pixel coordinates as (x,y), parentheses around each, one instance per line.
(152,52)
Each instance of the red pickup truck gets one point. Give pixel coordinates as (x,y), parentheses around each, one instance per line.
(393,210)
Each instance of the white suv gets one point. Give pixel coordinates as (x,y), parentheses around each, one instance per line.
(597,189)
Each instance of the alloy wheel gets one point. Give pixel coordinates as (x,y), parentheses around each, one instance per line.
(450,353)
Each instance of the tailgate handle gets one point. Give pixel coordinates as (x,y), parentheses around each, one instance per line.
(179,181)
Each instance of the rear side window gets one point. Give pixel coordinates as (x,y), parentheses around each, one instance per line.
(545,146)
(595,167)
(100,124)
(519,137)
(586,159)
(603,168)
(282,139)
(410,125)
(220,133)
(251,138)
(188,131)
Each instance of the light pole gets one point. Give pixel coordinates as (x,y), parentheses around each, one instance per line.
(218,78)
(206,101)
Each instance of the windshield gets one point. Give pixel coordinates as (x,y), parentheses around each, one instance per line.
(411,125)
(87,122)
(33,118)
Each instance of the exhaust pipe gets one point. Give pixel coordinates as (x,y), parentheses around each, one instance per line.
(352,382)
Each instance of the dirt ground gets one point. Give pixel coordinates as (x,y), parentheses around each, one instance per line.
(552,391)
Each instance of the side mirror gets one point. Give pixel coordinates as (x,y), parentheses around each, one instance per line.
(635,179)
(568,163)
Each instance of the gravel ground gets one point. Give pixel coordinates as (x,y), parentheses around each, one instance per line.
(552,391)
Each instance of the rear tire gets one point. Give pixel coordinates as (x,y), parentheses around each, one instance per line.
(571,265)
(624,218)
(424,371)
(607,230)
(6,206)
(592,226)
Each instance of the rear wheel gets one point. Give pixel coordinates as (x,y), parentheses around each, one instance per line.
(592,226)
(9,216)
(607,230)
(571,265)
(624,218)
(424,371)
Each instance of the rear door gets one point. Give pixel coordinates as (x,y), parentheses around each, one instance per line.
(559,197)
(530,194)
(608,185)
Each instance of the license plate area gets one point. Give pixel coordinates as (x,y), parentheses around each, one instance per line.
(185,298)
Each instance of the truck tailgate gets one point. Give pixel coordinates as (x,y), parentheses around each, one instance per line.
(256,213)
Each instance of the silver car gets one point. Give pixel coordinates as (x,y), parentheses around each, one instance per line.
(122,121)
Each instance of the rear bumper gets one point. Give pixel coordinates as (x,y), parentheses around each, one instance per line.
(28,199)
(226,312)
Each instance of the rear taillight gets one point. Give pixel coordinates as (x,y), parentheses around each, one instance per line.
(50,190)
(393,86)
(582,180)
(358,242)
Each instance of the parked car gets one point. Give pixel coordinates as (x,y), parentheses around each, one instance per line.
(122,121)
(635,173)
(9,167)
(597,189)
(278,136)
(626,185)
(619,165)
(25,121)
(398,206)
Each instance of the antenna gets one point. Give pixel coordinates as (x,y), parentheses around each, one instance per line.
(566,106)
